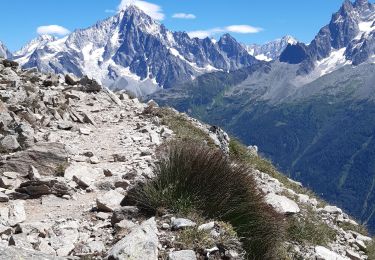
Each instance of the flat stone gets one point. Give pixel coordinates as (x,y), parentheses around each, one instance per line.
(353,255)
(125,212)
(3,197)
(84,131)
(282,204)
(182,255)
(181,223)
(7,253)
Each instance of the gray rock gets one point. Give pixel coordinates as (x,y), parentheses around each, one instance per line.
(37,188)
(9,143)
(282,204)
(182,255)
(207,227)
(110,201)
(90,85)
(71,79)
(46,157)
(140,244)
(180,223)
(126,212)
(353,255)
(7,253)
(64,125)
(3,197)
(17,212)
(332,210)
(34,173)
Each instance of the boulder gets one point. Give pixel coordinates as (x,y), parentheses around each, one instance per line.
(282,204)
(110,201)
(182,255)
(71,80)
(45,157)
(126,212)
(17,212)
(140,244)
(9,143)
(90,85)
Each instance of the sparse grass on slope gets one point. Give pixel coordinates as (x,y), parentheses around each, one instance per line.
(196,177)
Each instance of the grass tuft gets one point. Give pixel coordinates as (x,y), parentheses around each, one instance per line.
(198,178)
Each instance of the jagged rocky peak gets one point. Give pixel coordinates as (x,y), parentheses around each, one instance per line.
(347,39)
(4,52)
(132,51)
(34,44)
(271,50)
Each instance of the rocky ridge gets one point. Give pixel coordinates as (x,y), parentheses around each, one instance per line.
(70,151)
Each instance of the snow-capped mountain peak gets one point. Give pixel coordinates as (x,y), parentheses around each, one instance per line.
(271,50)
(133,51)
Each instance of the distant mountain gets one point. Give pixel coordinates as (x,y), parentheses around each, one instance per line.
(271,50)
(347,39)
(131,50)
(4,52)
(311,112)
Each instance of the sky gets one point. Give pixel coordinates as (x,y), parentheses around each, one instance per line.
(250,21)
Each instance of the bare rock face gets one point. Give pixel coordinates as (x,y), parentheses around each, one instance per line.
(45,157)
(140,244)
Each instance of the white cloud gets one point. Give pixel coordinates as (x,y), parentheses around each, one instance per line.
(153,10)
(244,29)
(52,29)
(184,16)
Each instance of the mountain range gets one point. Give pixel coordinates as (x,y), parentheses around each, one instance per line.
(309,107)
(310,111)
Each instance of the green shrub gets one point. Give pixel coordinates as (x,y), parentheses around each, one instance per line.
(198,178)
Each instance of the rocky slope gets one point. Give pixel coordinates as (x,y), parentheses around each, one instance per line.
(70,152)
(131,50)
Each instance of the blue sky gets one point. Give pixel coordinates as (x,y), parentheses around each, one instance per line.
(270,19)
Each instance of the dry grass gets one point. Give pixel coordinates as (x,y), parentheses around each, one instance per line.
(195,177)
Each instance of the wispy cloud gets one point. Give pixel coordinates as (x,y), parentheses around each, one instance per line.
(184,16)
(243,29)
(153,10)
(52,29)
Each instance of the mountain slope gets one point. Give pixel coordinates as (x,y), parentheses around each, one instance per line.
(317,125)
(131,50)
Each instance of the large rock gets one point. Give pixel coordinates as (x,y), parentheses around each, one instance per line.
(110,201)
(45,157)
(17,212)
(90,85)
(282,204)
(140,244)
(83,174)
(37,188)
(322,253)
(9,144)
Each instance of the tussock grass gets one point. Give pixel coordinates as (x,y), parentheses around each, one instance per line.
(195,177)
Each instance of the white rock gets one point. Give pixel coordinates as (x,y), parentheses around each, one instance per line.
(182,255)
(179,223)
(207,226)
(140,244)
(323,253)
(17,212)
(109,201)
(282,204)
